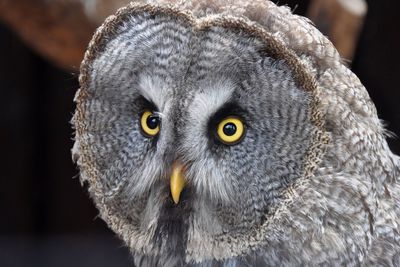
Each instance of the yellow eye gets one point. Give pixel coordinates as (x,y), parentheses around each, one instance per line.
(150,123)
(230,130)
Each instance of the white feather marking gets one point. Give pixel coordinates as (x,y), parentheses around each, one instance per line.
(210,100)
(154,90)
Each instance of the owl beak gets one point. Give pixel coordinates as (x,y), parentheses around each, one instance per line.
(177,182)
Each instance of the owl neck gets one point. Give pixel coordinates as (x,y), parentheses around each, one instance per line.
(171,233)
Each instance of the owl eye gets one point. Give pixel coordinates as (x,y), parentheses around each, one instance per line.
(230,130)
(150,123)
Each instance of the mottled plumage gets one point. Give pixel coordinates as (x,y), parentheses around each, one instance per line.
(311,182)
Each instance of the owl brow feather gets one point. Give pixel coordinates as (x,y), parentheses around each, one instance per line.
(159,114)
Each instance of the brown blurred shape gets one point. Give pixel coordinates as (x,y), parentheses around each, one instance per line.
(341,21)
(58,29)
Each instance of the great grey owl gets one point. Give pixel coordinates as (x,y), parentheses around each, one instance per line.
(229,133)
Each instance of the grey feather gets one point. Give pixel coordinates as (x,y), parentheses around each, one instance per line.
(313,181)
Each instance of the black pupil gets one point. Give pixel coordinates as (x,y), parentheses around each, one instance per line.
(229,129)
(152,122)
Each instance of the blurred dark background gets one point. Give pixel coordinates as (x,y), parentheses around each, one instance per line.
(47,218)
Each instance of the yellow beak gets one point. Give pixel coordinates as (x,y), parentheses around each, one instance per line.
(177,182)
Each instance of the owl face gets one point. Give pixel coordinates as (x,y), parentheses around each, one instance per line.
(191,133)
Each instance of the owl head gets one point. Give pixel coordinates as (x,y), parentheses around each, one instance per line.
(194,133)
